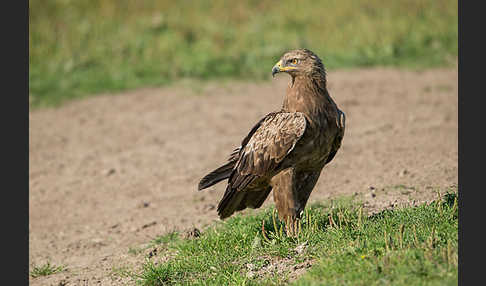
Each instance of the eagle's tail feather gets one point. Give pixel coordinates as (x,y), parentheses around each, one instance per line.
(216,176)
(230,202)
(234,200)
(255,198)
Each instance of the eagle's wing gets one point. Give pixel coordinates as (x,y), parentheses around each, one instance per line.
(341,123)
(267,144)
(271,142)
(225,171)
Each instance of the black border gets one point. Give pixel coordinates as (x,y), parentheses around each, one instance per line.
(471,122)
(15,140)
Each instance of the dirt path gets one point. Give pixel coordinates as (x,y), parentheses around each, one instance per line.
(110,173)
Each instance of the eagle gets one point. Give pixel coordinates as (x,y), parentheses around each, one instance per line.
(287,149)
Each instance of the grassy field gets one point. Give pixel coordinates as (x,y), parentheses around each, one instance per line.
(79,48)
(404,246)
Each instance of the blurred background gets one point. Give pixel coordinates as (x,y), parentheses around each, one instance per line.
(79,48)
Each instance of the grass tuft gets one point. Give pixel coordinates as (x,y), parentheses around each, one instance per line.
(45,269)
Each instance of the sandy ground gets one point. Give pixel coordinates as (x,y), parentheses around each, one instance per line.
(109,173)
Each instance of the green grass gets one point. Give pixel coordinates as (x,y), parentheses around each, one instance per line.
(403,246)
(45,269)
(79,48)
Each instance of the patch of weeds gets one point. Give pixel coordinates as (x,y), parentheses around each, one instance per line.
(443,88)
(403,187)
(121,272)
(45,270)
(135,250)
(166,238)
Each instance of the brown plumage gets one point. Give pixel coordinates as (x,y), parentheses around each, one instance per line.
(287,149)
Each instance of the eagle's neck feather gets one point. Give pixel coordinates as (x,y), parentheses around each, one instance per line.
(309,95)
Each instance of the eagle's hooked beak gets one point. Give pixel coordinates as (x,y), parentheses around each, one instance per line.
(278,67)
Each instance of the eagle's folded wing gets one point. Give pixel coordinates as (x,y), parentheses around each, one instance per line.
(271,142)
(267,144)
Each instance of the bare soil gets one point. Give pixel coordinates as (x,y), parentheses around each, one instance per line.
(109,173)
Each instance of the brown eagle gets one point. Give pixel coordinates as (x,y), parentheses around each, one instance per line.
(287,149)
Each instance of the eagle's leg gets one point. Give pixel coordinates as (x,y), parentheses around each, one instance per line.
(291,190)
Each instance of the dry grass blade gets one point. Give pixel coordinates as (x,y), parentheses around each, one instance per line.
(415,238)
(454,206)
(264,232)
(387,247)
(274,219)
(432,239)
(400,235)
(331,221)
(360,215)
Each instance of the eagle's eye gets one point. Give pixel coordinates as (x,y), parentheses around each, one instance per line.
(294,61)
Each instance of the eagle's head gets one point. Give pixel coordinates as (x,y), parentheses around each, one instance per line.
(299,62)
